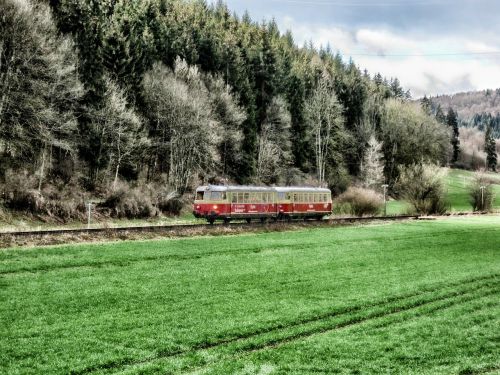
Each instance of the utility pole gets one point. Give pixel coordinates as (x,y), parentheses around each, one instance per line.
(385,186)
(89,211)
(482,197)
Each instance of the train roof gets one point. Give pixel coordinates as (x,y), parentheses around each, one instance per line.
(282,189)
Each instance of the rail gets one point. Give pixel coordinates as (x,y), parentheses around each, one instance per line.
(180,227)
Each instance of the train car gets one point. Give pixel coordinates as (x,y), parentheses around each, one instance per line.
(253,202)
(303,202)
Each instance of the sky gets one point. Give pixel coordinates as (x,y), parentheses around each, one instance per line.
(432,46)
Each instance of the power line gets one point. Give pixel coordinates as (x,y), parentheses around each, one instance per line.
(424,54)
(366,4)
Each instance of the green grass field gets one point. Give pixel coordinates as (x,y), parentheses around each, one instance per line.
(412,298)
(457,184)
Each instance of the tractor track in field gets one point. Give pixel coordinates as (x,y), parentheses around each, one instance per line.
(396,304)
(192,256)
(447,302)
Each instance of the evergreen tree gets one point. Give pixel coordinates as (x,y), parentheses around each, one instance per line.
(490,149)
(440,116)
(426,105)
(452,121)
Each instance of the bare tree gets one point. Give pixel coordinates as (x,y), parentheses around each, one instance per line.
(324,116)
(274,149)
(180,104)
(372,167)
(38,84)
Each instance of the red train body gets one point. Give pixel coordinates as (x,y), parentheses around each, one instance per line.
(252,202)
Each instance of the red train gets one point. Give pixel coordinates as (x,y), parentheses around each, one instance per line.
(253,202)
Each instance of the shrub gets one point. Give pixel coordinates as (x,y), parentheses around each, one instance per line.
(359,202)
(481,199)
(130,203)
(423,187)
(170,203)
(60,202)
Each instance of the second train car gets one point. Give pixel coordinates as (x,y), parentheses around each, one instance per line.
(261,203)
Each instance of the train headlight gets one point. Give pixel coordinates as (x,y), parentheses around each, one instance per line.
(215,207)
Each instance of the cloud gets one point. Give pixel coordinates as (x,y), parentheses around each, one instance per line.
(425,64)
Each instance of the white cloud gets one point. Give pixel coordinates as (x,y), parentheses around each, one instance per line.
(425,65)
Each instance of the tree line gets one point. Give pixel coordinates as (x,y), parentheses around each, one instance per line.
(96,92)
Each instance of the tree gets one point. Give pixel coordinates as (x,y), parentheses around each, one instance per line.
(426,104)
(274,153)
(490,149)
(179,106)
(452,121)
(422,185)
(440,116)
(123,127)
(39,88)
(409,136)
(325,121)
(231,116)
(481,192)
(372,168)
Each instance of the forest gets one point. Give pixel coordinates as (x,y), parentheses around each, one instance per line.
(134,103)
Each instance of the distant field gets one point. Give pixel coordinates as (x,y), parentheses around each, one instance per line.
(457,183)
(411,298)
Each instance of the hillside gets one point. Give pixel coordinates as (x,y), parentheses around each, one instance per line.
(468,104)
(475,108)
(133,104)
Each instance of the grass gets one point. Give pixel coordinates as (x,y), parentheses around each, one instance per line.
(457,184)
(415,297)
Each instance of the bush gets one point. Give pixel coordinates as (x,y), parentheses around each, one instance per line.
(168,202)
(481,199)
(423,187)
(60,202)
(130,203)
(359,202)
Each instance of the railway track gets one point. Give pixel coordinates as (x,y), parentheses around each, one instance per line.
(208,227)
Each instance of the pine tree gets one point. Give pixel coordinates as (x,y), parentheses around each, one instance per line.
(452,121)
(440,116)
(426,105)
(490,149)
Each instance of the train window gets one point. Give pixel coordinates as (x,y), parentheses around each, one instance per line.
(216,195)
(246,197)
(234,197)
(265,197)
(199,195)
(281,196)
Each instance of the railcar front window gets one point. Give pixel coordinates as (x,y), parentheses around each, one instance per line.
(199,195)
(217,195)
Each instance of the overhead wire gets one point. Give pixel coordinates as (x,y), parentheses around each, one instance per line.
(367,4)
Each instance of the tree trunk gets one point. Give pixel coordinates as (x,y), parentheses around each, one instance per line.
(40,180)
